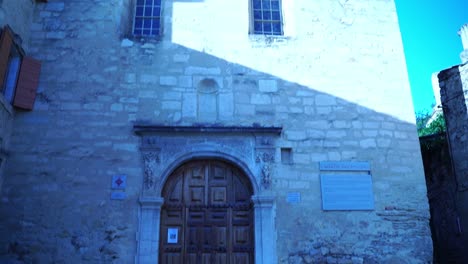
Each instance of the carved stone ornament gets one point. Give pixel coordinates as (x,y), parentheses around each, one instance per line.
(265,157)
(151,161)
(266,176)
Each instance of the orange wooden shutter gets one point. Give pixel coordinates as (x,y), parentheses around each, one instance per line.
(6,40)
(28,80)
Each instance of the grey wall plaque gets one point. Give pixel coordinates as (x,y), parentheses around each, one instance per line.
(293,197)
(344,166)
(347,192)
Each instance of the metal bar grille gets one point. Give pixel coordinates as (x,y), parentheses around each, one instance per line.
(147,21)
(267,17)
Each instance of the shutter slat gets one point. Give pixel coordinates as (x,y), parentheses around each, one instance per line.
(28,81)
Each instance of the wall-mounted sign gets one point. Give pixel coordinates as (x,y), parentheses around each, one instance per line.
(347,192)
(172,235)
(119,182)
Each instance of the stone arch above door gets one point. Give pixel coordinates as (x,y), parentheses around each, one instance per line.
(206,152)
(163,149)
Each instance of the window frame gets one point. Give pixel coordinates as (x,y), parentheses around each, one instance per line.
(152,17)
(253,19)
(10,81)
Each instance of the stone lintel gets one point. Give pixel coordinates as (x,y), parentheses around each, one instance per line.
(141,129)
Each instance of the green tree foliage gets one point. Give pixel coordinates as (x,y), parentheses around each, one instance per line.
(427,127)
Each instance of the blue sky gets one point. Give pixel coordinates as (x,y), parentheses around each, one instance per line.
(429,31)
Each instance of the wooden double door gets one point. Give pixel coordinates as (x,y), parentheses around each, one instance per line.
(207,216)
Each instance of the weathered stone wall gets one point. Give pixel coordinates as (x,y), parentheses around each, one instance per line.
(454,96)
(17,14)
(336,83)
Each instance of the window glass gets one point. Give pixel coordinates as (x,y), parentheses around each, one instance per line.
(11,77)
(147,20)
(267,17)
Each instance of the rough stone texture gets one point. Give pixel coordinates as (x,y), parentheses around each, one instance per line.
(336,83)
(18,14)
(454,97)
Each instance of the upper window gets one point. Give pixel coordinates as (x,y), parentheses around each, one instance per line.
(147,22)
(267,17)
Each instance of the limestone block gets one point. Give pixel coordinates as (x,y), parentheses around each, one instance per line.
(55,6)
(336,133)
(296,110)
(324,110)
(130,78)
(318,124)
(317,157)
(384,143)
(56,35)
(185,81)
(93,106)
(181,57)
(70,106)
(168,81)
(131,100)
(125,146)
(192,70)
(308,101)
(189,105)
(367,143)
(268,86)
(171,105)
(175,96)
(260,99)
(116,107)
(226,105)
(315,133)
(325,100)
(125,43)
(149,78)
(148,94)
(369,133)
(295,135)
(245,109)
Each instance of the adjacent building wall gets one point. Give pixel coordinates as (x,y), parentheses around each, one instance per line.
(336,83)
(18,15)
(454,97)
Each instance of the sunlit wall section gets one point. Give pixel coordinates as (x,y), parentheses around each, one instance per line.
(349,49)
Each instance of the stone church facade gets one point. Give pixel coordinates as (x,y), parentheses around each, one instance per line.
(208,131)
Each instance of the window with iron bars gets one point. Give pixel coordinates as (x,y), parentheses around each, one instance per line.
(147,20)
(266,16)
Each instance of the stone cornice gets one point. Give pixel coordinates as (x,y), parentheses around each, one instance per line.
(141,129)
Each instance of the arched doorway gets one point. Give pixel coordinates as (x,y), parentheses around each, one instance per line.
(207,215)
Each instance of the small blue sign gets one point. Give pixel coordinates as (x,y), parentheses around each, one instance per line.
(119,182)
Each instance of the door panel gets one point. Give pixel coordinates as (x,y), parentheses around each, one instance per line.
(208,202)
